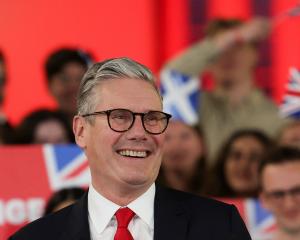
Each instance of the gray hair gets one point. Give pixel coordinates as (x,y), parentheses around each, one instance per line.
(116,68)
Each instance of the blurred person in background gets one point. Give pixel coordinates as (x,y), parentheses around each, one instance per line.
(44,126)
(290,134)
(63,198)
(235,174)
(183,164)
(230,52)
(64,69)
(6,130)
(280,191)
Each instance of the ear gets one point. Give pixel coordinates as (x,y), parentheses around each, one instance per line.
(79,129)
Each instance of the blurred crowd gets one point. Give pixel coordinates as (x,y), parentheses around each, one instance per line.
(239,148)
(238,123)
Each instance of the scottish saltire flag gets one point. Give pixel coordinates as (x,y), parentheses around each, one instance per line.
(180,95)
(290,106)
(66,166)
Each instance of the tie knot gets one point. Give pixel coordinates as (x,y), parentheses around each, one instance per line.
(124,216)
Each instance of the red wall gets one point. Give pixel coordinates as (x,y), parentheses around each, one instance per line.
(149,31)
(31,29)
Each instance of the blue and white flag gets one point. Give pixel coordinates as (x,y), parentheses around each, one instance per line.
(290,106)
(67,166)
(180,95)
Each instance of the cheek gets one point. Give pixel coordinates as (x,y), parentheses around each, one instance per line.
(159,142)
(198,149)
(254,168)
(231,170)
(57,87)
(228,168)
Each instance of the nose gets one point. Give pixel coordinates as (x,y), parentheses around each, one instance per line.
(137,131)
(244,162)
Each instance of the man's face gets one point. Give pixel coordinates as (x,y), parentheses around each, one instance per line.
(102,145)
(282,178)
(291,136)
(64,86)
(234,64)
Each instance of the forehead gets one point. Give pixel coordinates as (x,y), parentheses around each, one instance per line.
(73,67)
(281,176)
(246,142)
(133,94)
(292,130)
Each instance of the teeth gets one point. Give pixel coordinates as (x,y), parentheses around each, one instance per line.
(131,153)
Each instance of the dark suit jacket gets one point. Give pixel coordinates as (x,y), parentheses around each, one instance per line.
(177,216)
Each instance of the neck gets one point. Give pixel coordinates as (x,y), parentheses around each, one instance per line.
(284,235)
(120,195)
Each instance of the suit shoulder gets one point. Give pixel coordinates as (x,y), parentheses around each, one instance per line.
(48,227)
(184,196)
(197,203)
(211,214)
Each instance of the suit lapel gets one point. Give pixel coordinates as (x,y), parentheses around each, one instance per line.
(170,216)
(78,225)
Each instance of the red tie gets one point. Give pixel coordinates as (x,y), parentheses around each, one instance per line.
(124,216)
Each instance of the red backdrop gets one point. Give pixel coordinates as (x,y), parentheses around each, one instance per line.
(149,31)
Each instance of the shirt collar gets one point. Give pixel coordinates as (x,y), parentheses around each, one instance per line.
(101,210)
(143,206)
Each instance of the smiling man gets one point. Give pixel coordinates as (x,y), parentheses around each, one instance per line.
(280,191)
(120,126)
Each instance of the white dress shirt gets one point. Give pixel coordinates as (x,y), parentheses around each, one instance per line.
(103,223)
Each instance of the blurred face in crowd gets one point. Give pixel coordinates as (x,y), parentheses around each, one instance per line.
(64,86)
(241,167)
(52,132)
(183,147)
(231,66)
(122,160)
(281,194)
(291,135)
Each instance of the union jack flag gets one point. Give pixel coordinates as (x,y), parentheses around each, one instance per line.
(260,223)
(290,106)
(66,166)
(181,95)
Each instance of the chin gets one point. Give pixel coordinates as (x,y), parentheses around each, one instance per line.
(137,181)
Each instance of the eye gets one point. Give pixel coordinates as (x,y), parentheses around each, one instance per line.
(277,195)
(121,116)
(153,118)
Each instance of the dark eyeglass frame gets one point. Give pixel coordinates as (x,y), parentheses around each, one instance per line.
(134,114)
(278,196)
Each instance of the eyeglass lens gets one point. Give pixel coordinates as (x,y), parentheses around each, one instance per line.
(122,119)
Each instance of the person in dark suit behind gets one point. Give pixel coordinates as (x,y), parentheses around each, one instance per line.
(120,126)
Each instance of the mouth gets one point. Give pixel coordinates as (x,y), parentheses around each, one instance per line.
(134,153)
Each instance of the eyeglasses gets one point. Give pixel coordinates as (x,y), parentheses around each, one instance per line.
(121,120)
(277,197)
